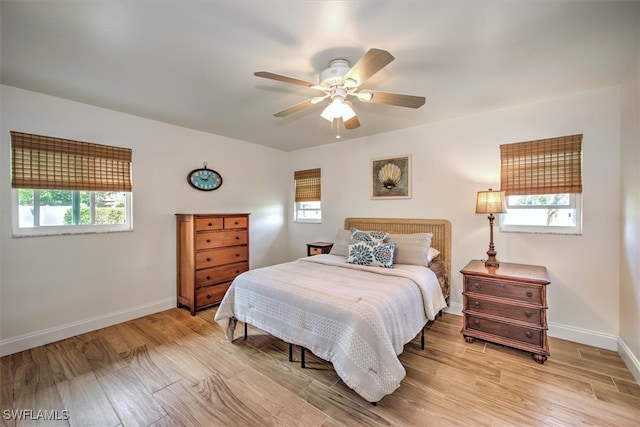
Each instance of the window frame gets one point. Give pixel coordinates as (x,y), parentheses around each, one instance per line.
(59,230)
(575,203)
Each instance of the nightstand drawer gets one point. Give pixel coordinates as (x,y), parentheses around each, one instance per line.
(514,312)
(504,289)
(532,336)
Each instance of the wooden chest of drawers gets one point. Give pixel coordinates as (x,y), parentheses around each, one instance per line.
(507,305)
(212,249)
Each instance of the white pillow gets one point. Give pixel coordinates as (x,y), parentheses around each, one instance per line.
(432,254)
(411,248)
(341,242)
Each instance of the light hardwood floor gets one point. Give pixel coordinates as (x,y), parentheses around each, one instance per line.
(172,369)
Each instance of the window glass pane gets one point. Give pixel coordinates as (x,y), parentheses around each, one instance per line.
(308,211)
(25,208)
(540,200)
(54,207)
(541,217)
(110,207)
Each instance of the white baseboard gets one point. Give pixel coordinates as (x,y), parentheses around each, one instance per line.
(24,342)
(629,359)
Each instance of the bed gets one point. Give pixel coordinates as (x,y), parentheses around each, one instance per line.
(359,317)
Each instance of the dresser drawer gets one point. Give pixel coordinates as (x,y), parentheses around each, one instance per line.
(224,273)
(221,256)
(510,311)
(208,223)
(235,222)
(516,291)
(532,336)
(217,239)
(211,294)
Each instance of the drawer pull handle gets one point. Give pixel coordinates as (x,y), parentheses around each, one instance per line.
(477,322)
(502,285)
(208,240)
(210,224)
(527,313)
(528,334)
(238,271)
(208,296)
(235,223)
(237,255)
(208,277)
(477,286)
(237,237)
(477,304)
(208,259)
(529,294)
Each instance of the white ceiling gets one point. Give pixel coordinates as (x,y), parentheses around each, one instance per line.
(191,63)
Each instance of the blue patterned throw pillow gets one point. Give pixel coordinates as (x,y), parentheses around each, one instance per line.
(367,236)
(371,253)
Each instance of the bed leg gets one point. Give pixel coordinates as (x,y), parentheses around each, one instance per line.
(422,339)
(290,352)
(302,357)
(245,331)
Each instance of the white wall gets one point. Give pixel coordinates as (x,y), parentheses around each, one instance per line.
(629,344)
(453,160)
(57,286)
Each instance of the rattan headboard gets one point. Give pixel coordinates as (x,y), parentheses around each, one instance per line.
(440,228)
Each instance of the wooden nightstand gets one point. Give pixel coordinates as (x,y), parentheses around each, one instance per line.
(317,248)
(507,305)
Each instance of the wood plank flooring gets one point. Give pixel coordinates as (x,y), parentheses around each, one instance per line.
(174,369)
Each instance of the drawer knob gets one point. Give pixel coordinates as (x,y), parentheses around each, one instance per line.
(235,223)
(208,296)
(477,322)
(210,224)
(208,240)
(208,277)
(528,334)
(477,304)
(527,313)
(237,255)
(529,294)
(208,259)
(238,271)
(237,237)
(477,286)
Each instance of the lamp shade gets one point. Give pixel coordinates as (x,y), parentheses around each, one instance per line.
(491,202)
(338,109)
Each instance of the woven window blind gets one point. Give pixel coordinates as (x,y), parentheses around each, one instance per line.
(544,166)
(307,185)
(43,162)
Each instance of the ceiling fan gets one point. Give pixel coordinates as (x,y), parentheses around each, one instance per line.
(341,80)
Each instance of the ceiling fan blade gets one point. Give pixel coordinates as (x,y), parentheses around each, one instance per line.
(352,123)
(392,99)
(296,108)
(281,78)
(372,62)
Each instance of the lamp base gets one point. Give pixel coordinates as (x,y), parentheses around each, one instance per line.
(491,262)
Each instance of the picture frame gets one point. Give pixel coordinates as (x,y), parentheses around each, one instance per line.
(391,177)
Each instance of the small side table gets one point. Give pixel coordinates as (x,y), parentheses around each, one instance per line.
(317,248)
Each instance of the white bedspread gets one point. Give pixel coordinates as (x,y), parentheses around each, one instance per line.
(357,317)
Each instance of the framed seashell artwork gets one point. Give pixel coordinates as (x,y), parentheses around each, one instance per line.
(391,178)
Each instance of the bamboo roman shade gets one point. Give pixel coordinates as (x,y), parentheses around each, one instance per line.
(307,185)
(544,166)
(43,162)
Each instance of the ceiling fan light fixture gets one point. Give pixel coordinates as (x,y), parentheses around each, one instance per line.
(338,109)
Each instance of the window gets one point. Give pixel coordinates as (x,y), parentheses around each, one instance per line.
(543,183)
(307,196)
(63,186)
